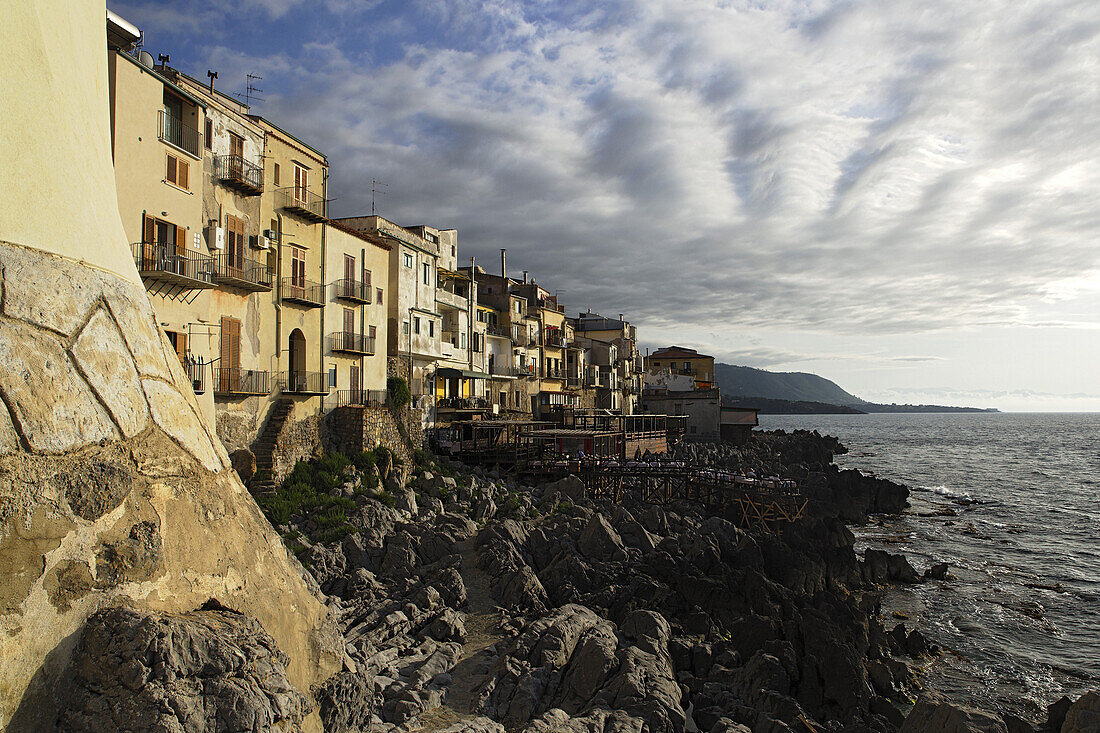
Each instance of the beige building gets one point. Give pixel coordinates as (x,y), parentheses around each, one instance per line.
(293,205)
(626,361)
(682,361)
(356,272)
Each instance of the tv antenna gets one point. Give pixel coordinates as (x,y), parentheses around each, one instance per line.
(250,90)
(375,191)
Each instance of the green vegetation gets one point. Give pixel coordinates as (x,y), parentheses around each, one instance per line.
(398,390)
(307,494)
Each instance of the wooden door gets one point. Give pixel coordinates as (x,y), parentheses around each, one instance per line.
(353,383)
(235,245)
(230,352)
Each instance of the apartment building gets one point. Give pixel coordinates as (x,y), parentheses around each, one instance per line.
(681,361)
(414,323)
(598,333)
(356,267)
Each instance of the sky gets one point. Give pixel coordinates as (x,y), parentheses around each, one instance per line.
(903,197)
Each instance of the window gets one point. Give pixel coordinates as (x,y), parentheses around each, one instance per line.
(372,332)
(431,328)
(208,138)
(230,355)
(178,173)
(416,324)
(463,346)
(427,273)
(298,267)
(349,268)
(236,145)
(405,327)
(349,320)
(453,251)
(408,259)
(366,280)
(276,174)
(378,292)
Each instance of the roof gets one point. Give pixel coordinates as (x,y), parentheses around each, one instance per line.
(678,352)
(365,236)
(292,138)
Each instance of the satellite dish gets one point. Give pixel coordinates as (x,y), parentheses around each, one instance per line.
(146,59)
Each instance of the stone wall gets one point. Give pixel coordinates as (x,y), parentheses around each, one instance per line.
(351,430)
(299,440)
(238,423)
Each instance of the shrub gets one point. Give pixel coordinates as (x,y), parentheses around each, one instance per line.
(385,497)
(423,457)
(398,390)
(365,461)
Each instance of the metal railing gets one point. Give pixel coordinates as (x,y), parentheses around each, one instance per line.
(574,381)
(196,374)
(242,271)
(303,382)
(498,331)
(237,381)
(353,290)
(176,132)
(552,338)
(463,403)
(360,397)
(553,373)
(306,292)
(350,342)
(236,170)
(152,258)
(524,372)
(301,201)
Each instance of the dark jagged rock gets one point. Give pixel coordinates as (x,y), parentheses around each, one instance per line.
(934,714)
(211,669)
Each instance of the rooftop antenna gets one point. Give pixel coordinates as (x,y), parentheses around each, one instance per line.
(375,191)
(163,58)
(250,90)
(213,75)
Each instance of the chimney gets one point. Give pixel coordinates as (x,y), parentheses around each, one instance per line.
(525,277)
(503,269)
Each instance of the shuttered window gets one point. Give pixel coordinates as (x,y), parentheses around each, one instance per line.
(349,320)
(235,228)
(298,267)
(178,172)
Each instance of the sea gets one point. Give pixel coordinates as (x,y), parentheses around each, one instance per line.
(1010,502)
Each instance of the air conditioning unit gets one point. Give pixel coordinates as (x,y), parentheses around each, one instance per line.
(271,234)
(259,242)
(215,237)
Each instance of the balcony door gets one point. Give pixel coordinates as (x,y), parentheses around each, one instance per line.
(230,362)
(297,360)
(235,245)
(353,382)
(349,276)
(298,268)
(301,183)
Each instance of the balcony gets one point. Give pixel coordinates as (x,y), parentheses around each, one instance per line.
(553,374)
(196,374)
(552,338)
(302,292)
(501,331)
(176,132)
(352,291)
(524,371)
(303,383)
(167,266)
(301,202)
(451,300)
(573,382)
(346,342)
(360,397)
(236,172)
(241,273)
(237,382)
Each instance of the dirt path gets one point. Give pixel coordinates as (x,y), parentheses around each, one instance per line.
(481,631)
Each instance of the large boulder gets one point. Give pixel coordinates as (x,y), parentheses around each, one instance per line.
(244,463)
(211,669)
(1083,716)
(600,541)
(934,714)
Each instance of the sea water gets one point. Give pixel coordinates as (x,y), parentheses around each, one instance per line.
(1010,501)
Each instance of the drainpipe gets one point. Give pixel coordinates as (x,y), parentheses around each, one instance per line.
(278,290)
(324,265)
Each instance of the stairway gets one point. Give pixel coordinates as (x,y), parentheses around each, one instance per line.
(264,447)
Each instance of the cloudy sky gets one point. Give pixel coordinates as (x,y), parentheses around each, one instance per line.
(901,196)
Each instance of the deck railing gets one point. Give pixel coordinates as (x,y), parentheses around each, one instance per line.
(242,271)
(303,291)
(238,381)
(235,170)
(304,382)
(152,258)
(301,201)
(173,130)
(353,290)
(360,397)
(350,342)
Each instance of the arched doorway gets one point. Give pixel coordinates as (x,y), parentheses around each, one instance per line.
(297,371)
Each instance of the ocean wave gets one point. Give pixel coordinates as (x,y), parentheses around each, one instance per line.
(945,492)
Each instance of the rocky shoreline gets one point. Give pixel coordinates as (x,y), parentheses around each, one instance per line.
(468,602)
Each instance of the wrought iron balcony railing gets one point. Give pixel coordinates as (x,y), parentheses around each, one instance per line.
(303,292)
(173,130)
(302,202)
(241,272)
(311,383)
(237,172)
(167,263)
(351,343)
(237,381)
(352,290)
(360,397)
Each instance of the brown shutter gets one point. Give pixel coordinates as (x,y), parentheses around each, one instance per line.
(149,227)
(235,344)
(181,241)
(349,320)
(181,346)
(171,174)
(184,174)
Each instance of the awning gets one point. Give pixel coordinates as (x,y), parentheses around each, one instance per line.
(463,373)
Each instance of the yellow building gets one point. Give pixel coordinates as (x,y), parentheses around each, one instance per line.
(293,205)
(357,274)
(683,361)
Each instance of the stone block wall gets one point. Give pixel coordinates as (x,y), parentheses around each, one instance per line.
(299,440)
(355,429)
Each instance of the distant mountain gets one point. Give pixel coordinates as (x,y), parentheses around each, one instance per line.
(789,407)
(741,381)
(795,393)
